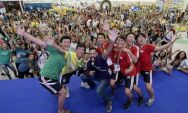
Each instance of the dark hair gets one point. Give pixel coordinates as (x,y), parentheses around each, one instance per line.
(65,37)
(162,56)
(122,36)
(92,48)
(100,34)
(129,34)
(81,46)
(140,34)
(178,55)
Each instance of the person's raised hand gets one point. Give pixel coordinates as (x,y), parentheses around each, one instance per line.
(112,35)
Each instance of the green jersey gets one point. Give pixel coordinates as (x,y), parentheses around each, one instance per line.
(5,56)
(54,64)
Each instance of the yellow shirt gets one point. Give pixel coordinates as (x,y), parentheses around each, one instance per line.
(113,24)
(34,24)
(71,62)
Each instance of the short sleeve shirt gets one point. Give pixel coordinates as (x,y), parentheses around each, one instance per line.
(54,64)
(145,59)
(5,56)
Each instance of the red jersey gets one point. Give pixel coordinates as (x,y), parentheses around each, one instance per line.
(135,51)
(100,50)
(124,62)
(145,59)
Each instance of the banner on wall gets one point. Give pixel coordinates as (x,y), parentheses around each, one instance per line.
(165,4)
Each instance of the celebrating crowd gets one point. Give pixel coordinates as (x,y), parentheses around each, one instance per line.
(104,49)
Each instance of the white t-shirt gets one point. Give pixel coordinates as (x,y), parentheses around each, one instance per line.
(184,63)
(168,37)
(128,23)
(73,46)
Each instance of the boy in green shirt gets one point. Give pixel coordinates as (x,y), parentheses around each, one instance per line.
(52,69)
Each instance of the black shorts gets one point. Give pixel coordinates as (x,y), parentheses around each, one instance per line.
(113,76)
(120,77)
(129,82)
(147,76)
(53,86)
(65,79)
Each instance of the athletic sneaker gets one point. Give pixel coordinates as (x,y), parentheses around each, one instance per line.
(68,93)
(140,100)
(109,107)
(85,85)
(127,105)
(150,102)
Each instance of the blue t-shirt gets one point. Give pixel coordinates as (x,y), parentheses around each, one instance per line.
(24,65)
(100,67)
(21,55)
